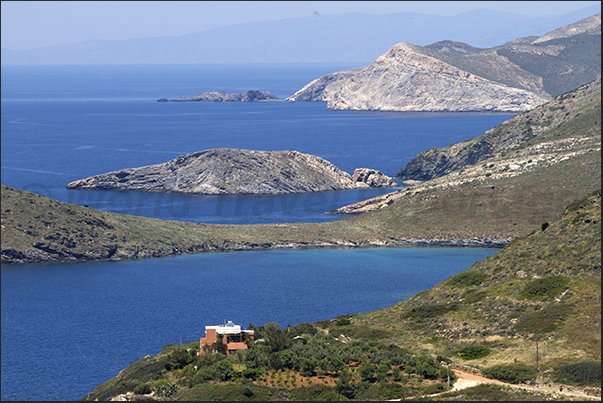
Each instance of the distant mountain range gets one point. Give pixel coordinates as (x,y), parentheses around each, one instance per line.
(352,37)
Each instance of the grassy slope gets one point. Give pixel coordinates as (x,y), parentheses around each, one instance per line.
(491,309)
(497,312)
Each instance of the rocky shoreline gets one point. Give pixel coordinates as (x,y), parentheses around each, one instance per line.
(47,254)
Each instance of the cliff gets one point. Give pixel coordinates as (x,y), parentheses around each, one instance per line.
(230,171)
(405,79)
(223,96)
(453,76)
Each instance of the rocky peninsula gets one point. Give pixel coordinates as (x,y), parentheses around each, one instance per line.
(223,96)
(450,76)
(225,171)
(407,79)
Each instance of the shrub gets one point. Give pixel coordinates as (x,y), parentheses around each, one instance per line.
(252,373)
(247,392)
(142,389)
(488,392)
(472,296)
(582,373)
(467,279)
(429,311)
(314,393)
(205,374)
(165,388)
(473,352)
(544,321)
(512,373)
(342,322)
(435,388)
(547,287)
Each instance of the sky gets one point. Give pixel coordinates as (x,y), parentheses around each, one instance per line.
(33,24)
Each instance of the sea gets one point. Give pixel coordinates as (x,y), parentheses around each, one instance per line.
(67,328)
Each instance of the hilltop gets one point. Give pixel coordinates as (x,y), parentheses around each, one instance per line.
(453,76)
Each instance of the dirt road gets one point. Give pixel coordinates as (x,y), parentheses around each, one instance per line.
(466,380)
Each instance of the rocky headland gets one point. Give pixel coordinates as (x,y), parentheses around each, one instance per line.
(225,171)
(223,96)
(451,76)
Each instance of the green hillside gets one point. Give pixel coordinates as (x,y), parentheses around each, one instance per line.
(545,288)
(547,284)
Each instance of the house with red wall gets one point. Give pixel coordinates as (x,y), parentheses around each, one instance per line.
(231,335)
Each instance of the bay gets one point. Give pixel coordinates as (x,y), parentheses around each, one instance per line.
(66,328)
(63,123)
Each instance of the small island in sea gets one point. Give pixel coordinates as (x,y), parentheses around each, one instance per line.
(224,171)
(223,96)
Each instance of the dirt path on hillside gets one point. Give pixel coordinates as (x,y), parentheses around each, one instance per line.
(466,380)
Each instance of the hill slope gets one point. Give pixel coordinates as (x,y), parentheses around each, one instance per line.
(545,285)
(525,146)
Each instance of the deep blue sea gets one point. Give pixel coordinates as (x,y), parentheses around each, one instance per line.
(66,328)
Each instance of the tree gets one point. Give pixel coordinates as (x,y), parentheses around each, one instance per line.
(382,371)
(366,371)
(289,359)
(224,370)
(427,371)
(335,365)
(179,358)
(307,366)
(275,336)
(251,360)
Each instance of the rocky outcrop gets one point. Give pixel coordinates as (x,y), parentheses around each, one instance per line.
(323,88)
(232,171)
(453,76)
(406,79)
(366,177)
(223,96)
(437,162)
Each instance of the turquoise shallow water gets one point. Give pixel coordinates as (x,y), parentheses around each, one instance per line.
(66,328)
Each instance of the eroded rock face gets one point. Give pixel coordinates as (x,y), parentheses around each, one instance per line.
(406,79)
(228,171)
(366,177)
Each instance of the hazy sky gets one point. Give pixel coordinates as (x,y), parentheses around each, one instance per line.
(33,24)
